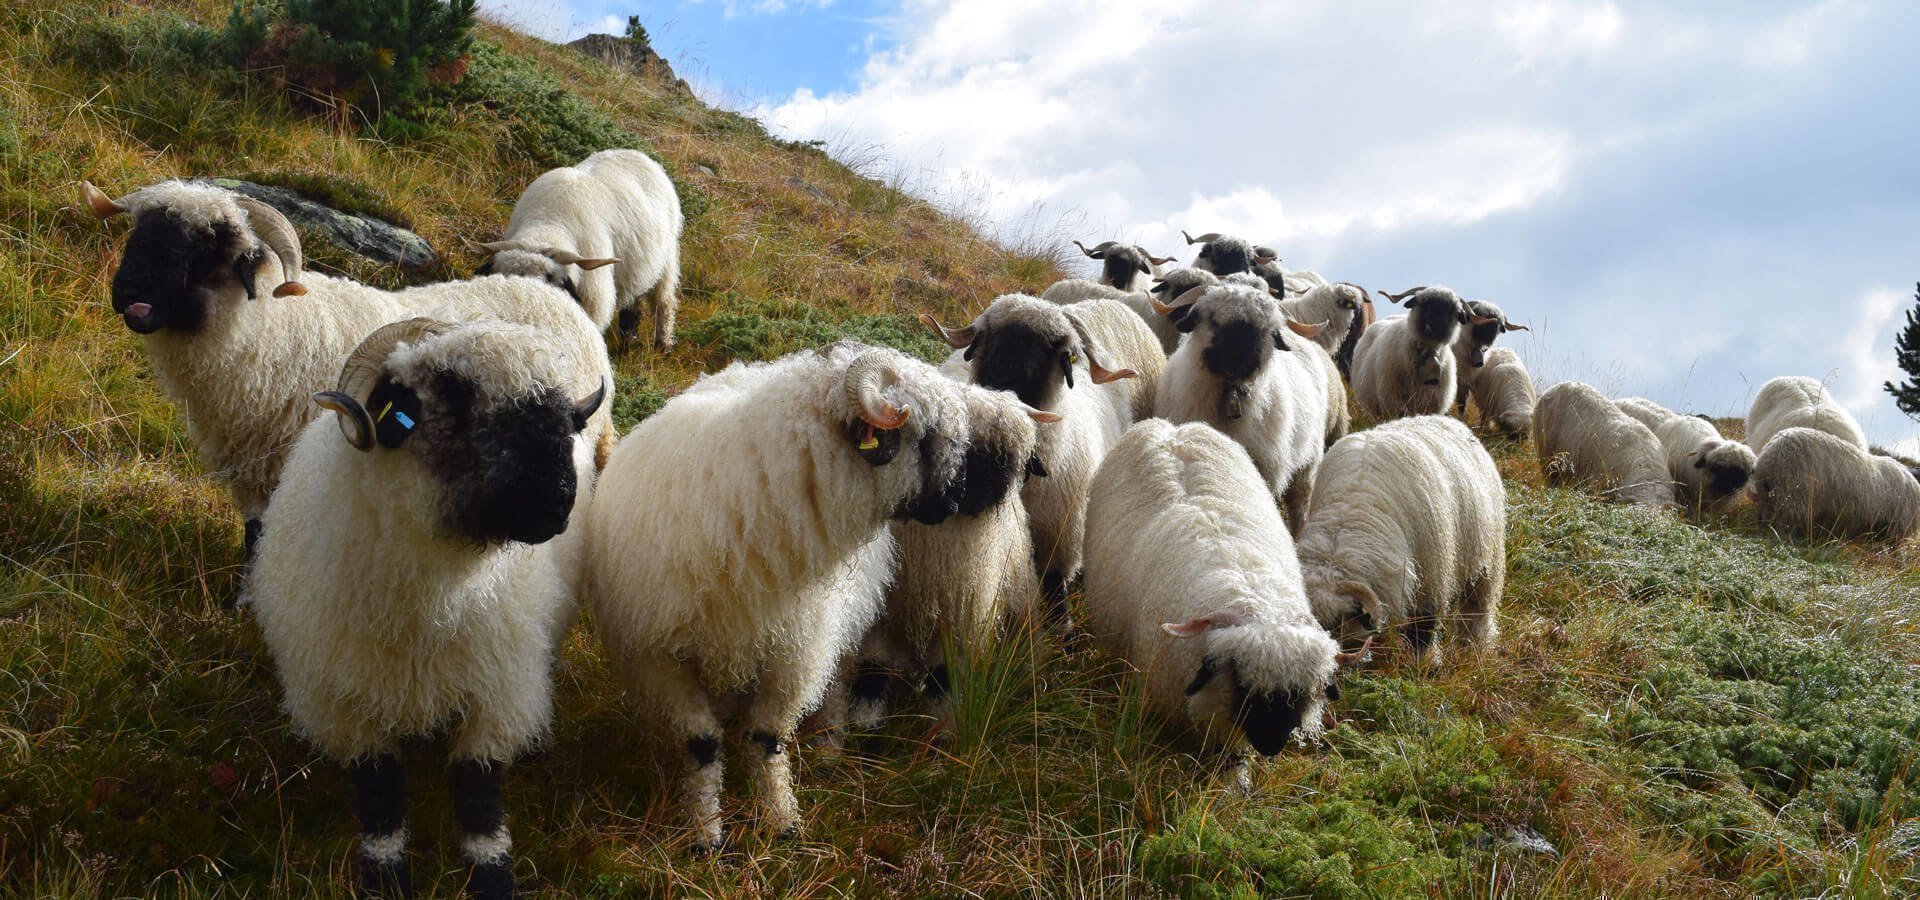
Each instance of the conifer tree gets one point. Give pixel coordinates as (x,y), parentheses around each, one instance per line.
(1906,354)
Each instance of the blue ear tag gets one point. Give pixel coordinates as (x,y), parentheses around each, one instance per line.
(398,416)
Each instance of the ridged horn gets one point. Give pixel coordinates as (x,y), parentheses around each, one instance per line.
(1203,239)
(866,377)
(570,258)
(273,229)
(1396,298)
(957,338)
(1099,250)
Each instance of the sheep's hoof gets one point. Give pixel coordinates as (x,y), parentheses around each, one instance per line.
(787,832)
(708,849)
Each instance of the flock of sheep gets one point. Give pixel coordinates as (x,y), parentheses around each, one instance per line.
(814,535)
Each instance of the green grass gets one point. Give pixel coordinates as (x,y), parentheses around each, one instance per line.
(1678,708)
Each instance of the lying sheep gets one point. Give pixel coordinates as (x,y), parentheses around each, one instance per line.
(1582,438)
(1404,366)
(736,548)
(1074,290)
(1503,391)
(1127,268)
(1223,255)
(964,578)
(408,582)
(1056,358)
(1470,348)
(1192,580)
(1257,376)
(210,279)
(1807,481)
(616,208)
(1408,532)
(1792,401)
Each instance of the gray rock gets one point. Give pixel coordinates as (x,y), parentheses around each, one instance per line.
(704,169)
(802,184)
(364,235)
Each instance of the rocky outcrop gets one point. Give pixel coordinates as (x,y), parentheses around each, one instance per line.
(632,55)
(365,235)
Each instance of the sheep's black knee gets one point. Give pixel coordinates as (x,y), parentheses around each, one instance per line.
(1421,632)
(629,323)
(870,681)
(704,749)
(250,539)
(770,743)
(482,815)
(380,801)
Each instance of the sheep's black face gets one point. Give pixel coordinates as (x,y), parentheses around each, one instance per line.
(1269,719)
(1015,357)
(170,271)
(1225,257)
(1435,317)
(943,481)
(1239,349)
(1723,479)
(507,470)
(1120,265)
(989,474)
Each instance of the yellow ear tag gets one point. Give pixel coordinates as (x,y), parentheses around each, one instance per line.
(384,410)
(869,440)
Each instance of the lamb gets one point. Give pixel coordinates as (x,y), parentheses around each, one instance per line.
(409,580)
(1127,268)
(1056,358)
(1179,544)
(1470,348)
(616,208)
(1223,255)
(964,577)
(1582,438)
(736,548)
(1504,393)
(1258,377)
(1795,401)
(1808,481)
(195,282)
(1408,532)
(1403,366)
(1068,291)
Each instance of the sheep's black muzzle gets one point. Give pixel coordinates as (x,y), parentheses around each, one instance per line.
(943,484)
(1018,359)
(1269,720)
(1723,479)
(508,471)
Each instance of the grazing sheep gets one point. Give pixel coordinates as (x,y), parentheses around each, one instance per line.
(1645,411)
(1708,469)
(1074,290)
(1127,268)
(1408,532)
(1056,358)
(212,281)
(1470,348)
(737,549)
(408,581)
(1404,366)
(1504,393)
(964,578)
(616,208)
(1192,580)
(1223,255)
(1583,438)
(1792,401)
(1808,482)
(1258,377)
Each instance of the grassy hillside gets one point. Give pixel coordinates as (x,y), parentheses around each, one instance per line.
(1676,709)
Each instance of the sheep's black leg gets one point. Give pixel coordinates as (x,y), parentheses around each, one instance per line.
(871,682)
(704,765)
(1053,586)
(250,542)
(380,800)
(629,323)
(484,839)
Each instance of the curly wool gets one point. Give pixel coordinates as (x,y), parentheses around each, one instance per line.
(1793,401)
(1583,438)
(1388,382)
(1503,391)
(1075,290)
(1810,482)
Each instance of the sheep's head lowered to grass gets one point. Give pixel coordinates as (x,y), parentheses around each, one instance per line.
(480,415)
(1028,346)
(545,263)
(194,249)
(1268,679)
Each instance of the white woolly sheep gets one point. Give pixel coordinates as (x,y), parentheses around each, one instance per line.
(1408,532)
(1129,268)
(1339,308)
(1583,438)
(1708,469)
(1258,377)
(1404,365)
(1645,411)
(1057,358)
(1809,482)
(194,282)
(408,581)
(1503,391)
(616,208)
(736,548)
(1224,255)
(1069,291)
(1792,401)
(1470,348)
(963,579)
(1192,580)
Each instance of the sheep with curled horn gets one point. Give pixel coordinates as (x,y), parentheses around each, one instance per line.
(615,218)
(414,567)
(1224,255)
(1470,348)
(239,334)
(1129,268)
(1259,377)
(1404,365)
(1058,359)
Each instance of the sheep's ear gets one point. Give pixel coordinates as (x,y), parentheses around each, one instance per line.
(1280,341)
(1208,669)
(1067,358)
(1225,618)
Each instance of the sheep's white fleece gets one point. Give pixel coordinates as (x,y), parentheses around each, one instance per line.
(1387,384)
(1504,392)
(1074,290)
(1795,401)
(1810,482)
(1583,438)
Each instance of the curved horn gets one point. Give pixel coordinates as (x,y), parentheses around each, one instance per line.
(1100,374)
(1039,415)
(1478,321)
(866,377)
(1356,657)
(584,408)
(355,424)
(957,338)
(102,206)
(1310,332)
(494,246)
(362,370)
(1403,294)
(1099,250)
(1159,260)
(273,229)
(570,258)
(1205,238)
(1509,326)
(1161,308)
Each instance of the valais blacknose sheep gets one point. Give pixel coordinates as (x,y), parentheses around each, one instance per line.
(1224,255)
(737,547)
(1192,580)
(408,580)
(1341,309)
(1129,268)
(607,231)
(1503,391)
(1404,366)
(240,336)
(1584,439)
(1097,366)
(1470,348)
(1708,470)
(1810,482)
(1794,401)
(1408,533)
(1258,377)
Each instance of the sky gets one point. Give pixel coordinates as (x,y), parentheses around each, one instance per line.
(1681,200)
